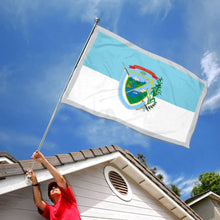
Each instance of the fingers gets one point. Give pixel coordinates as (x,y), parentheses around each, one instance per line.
(36,155)
(29,173)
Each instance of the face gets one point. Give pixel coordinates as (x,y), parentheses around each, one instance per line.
(54,191)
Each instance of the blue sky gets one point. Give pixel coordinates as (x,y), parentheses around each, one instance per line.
(40,44)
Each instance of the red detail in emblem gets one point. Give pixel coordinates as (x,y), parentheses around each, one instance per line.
(146,70)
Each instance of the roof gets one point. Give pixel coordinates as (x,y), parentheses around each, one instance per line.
(123,159)
(199,197)
(7,158)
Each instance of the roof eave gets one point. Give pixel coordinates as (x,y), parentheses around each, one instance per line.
(15,182)
(208,194)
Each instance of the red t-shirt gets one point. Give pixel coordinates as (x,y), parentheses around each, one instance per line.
(65,209)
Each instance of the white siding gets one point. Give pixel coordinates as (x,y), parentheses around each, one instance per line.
(18,205)
(97,201)
(206,209)
(94,197)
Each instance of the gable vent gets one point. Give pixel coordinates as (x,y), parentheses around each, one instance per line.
(117,183)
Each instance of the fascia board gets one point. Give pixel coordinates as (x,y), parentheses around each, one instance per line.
(6,159)
(211,194)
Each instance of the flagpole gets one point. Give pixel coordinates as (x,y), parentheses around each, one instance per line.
(57,106)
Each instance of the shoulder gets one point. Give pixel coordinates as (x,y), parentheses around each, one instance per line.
(67,193)
(67,189)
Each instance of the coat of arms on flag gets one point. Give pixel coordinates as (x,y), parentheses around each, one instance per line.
(139,87)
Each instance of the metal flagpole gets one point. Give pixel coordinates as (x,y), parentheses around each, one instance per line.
(57,106)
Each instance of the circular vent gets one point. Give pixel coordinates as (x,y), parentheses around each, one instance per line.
(117,183)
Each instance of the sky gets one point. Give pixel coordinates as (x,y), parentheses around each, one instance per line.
(39,47)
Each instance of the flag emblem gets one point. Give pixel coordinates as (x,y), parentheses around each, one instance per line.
(139,87)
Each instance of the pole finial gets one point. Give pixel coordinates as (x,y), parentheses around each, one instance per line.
(97,20)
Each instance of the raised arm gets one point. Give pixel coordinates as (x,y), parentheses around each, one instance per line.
(39,157)
(36,191)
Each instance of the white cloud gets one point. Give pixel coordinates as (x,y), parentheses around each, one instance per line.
(24,12)
(10,138)
(155,7)
(102,132)
(178,180)
(210,67)
(203,34)
(185,185)
(50,87)
(203,23)
(105,9)
(212,103)
(166,176)
(211,70)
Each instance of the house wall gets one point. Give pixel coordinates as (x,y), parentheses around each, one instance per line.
(18,205)
(94,197)
(206,209)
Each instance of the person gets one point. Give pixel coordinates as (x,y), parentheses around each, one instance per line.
(59,192)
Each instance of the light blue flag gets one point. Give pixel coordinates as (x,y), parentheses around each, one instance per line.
(117,80)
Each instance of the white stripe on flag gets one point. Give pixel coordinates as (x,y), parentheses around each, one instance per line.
(98,94)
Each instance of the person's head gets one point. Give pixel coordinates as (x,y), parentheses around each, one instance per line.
(53,191)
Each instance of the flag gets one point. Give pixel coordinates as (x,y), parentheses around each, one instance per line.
(118,80)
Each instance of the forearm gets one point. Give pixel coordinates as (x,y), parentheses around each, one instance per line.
(38,156)
(55,173)
(37,195)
